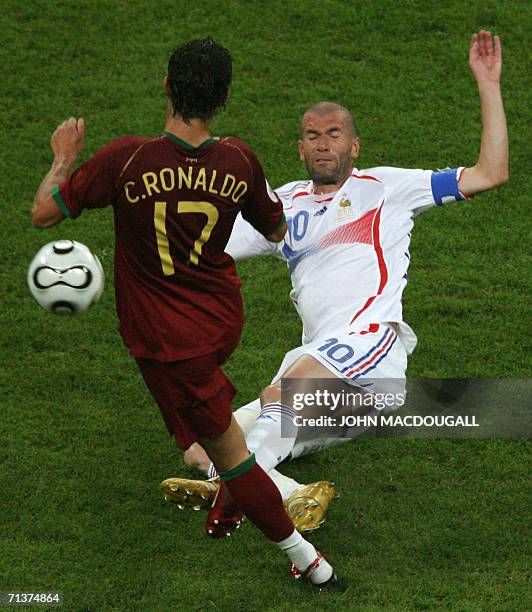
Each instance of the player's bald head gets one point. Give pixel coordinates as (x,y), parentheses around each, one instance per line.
(328,144)
(327,108)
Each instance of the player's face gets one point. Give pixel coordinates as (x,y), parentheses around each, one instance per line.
(328,147)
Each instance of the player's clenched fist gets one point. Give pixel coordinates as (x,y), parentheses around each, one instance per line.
(67,139)
(485,57)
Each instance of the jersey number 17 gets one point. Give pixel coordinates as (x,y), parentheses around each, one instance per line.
(163,246)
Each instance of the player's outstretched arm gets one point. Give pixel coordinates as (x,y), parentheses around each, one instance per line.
(491,169)
(66,143)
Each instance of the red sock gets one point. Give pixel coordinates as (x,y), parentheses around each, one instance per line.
(259,499)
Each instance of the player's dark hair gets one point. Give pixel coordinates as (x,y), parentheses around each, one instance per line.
(199,76)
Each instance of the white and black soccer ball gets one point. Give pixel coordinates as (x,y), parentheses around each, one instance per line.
(65,277)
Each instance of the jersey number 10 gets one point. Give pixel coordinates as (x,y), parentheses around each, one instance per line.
(163,246)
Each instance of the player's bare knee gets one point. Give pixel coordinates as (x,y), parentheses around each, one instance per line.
(271,394)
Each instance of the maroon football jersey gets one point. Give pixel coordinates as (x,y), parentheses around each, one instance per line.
(177,293)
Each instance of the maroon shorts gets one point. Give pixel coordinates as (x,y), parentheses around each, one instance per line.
(194,395)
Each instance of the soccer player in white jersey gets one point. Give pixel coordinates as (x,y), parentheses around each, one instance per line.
(347,252)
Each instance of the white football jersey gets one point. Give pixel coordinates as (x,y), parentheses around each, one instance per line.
(347,252)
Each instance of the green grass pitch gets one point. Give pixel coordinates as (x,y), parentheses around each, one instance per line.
(421,524)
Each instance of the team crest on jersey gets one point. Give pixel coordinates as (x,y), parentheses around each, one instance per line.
(345,211)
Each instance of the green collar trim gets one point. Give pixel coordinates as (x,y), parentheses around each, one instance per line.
(187,145)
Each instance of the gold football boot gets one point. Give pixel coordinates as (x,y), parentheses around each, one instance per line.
(196,494)
(308,505)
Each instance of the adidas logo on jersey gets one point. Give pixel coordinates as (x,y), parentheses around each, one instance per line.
(320,212)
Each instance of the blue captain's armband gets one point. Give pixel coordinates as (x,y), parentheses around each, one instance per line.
(444,185)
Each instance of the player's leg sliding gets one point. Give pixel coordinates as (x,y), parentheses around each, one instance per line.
(201,494)
(270,433)
(285,484)
(306,505)
(273,436)
(272,439)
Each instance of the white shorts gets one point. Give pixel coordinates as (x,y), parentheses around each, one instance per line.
(376,358)
(373,360)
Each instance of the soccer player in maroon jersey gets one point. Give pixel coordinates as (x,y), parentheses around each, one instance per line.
(175,198)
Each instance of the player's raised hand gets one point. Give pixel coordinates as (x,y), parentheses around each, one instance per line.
(67,139)
(485,57)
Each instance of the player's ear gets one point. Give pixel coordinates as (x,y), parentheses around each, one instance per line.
(301,152)
(355,148)
(165,86)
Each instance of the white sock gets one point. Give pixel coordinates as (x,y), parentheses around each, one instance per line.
(302,554)
(273,436)
(246,416)
(285,484)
